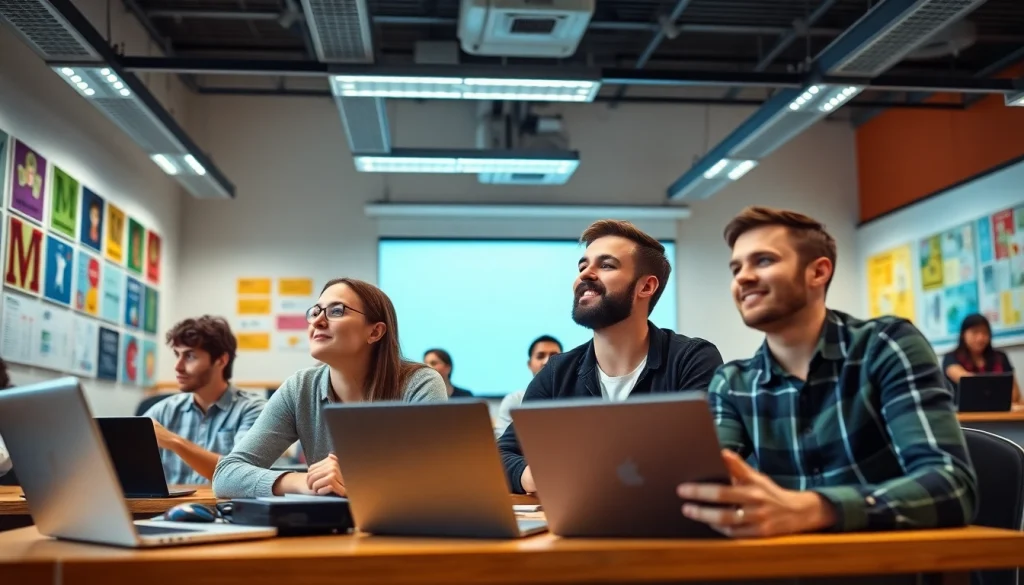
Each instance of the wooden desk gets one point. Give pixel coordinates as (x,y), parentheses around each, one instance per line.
(544,559)
(974,417)
(12,504)
(1007,424)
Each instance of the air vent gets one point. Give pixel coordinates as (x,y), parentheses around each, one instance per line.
(366,123)
(340,30)
(903,35)
(49,33)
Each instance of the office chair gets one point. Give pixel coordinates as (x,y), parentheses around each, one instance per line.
(999,464)
(148,403)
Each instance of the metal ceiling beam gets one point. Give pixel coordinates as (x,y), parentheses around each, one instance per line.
(165,45)
(787,39)
(212,14)
(655,42)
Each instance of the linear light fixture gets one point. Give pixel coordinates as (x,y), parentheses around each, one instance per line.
(824,98)
(1015,99)
(465,88)
(541,211)
(491,166)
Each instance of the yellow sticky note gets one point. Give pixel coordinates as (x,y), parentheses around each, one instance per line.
(253,341)
(295,287)
(254,306)
(254,286)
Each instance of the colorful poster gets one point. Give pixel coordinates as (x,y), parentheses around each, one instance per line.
(295,287)
(253,341)
(255,306)
(253,286)
(28,187)
(1002,232)
(3,163)
(153,255)
(931,263)
(115,234)
(148,363)
(890,289)
(52,346)
(24,255)
(112,292)
(93,208)
(64,203)
(107,356)
(1001,290)
(87,284)
(133,303)
(131,354)
(84,347)
(151,309)
(60,262)
(292,341)
(17,329)
(136,243)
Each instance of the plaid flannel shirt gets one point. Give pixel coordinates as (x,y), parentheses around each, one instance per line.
(873,429)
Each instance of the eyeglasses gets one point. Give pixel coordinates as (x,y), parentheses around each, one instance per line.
(334,311)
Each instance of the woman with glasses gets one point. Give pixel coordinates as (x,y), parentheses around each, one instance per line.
(353,331)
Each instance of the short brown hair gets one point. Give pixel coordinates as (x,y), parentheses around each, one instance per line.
(808,234)
(210,334)
(649,256)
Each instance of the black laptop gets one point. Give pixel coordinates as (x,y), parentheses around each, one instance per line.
(986,393)
(131,442)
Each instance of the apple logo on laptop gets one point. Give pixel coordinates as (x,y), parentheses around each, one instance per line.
(628,474)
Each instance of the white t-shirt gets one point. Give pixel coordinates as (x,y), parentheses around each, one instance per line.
(5,458)
(617,389)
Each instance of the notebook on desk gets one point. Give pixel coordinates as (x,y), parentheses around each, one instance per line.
(68,478)
(424,470)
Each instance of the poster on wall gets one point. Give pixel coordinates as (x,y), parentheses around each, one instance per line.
(51,348)
(93,212)
(24,256)
(114,244)
(87,284)
(949,281)
(107,356)
(84,349)
(1001,253)
(60,262)
(133,303)
(148,363)
(136,243)
(150,309)
(153,251)
(64,204)
(112,291)
(131,352)
(28,185)
(17,330)
(890,286)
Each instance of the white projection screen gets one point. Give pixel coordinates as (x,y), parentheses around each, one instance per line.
(485,301)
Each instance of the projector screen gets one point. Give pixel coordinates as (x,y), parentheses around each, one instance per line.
(485,301)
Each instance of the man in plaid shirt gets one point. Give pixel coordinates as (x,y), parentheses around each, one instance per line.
(836,423)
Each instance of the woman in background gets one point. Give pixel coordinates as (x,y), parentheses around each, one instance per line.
(353,331)
(974,354)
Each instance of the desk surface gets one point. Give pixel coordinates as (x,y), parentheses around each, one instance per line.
(537,559)
(1011,416)
(11,502)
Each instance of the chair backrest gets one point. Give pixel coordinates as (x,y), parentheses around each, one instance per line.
(999,464)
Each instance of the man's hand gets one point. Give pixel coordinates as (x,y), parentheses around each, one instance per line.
(527,480)
(754,506)
(165,439)
(324,477)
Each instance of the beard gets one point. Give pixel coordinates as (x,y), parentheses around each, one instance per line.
(197,381)
(609,309)
(788,300)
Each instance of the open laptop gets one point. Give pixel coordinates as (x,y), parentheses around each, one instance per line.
(607,469)
(69,481)
(985,393)
(424,470)
(131,443)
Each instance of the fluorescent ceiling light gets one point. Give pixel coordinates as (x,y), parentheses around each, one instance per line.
(466,88)
(541,211)
(730,168)
(164,162)
(1015,99)
(824,98)
(494,166)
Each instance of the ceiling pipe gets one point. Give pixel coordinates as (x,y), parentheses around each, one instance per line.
(665,28)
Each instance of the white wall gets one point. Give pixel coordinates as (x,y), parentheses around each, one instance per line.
(36,106)
(299,210)
(992,193)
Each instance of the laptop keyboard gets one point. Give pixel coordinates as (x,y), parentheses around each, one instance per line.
(150,530)
(528,525)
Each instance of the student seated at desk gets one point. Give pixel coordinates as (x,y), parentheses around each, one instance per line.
(208,416)
(353,331)
(622,274)
(975,355)
(540,352)
(849,423)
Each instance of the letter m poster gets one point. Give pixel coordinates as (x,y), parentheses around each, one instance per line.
(24,256)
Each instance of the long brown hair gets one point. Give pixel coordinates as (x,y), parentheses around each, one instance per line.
(389,373)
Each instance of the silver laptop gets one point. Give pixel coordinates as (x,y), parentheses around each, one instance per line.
(424,470)
(607,469)
(68,479)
